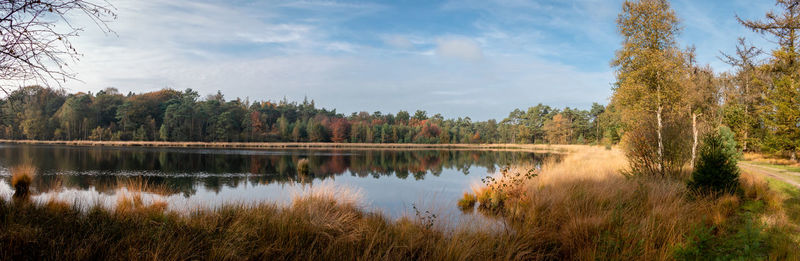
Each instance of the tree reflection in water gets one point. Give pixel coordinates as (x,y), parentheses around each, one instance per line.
(183,170)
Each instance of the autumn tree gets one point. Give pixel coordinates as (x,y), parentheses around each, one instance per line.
(702,96)
(74,116)
(340,130)
(559,129)
(648,89)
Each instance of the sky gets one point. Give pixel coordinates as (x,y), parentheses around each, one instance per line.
(479,59)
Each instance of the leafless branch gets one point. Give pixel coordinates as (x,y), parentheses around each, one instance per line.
(35,37)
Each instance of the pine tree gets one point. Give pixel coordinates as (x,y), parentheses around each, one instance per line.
(782,109)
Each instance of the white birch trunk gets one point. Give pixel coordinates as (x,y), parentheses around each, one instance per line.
(660,142)
(694,138)
(660,127)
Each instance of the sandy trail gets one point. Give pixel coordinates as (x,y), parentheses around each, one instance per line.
(790,177)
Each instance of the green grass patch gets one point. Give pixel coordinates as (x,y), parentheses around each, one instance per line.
(791,203)
(741,238)
(746,236)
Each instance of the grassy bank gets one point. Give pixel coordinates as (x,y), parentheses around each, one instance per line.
(589,210)
(578,208)
(323,225)
(303,145)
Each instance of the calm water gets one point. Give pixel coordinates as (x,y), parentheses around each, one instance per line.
(388,180)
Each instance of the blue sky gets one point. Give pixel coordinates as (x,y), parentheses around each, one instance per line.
(478,58)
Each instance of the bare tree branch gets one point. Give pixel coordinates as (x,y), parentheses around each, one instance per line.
(35,38)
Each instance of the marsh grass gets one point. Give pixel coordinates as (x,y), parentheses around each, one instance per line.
(578,208)
(21,180)
(467,202)
(327,223)
(137,195)
(588,210)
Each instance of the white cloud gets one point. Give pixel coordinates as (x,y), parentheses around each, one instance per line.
(398,41)
(459,47)
(262,55)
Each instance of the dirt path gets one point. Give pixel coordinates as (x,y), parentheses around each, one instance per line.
(790,177)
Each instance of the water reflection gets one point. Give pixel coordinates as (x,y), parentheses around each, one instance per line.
(215,173)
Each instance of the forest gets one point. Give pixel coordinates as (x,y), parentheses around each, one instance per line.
(40,113)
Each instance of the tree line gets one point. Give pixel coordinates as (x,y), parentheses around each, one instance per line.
(41,113)
(664,100)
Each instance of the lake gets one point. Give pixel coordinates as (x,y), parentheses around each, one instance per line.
(388,180)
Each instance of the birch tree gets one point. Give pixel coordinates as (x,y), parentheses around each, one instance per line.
(648,70)
(702,96)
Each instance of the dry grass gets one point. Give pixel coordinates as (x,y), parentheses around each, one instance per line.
(754,187)
(593,211)
(467,202)
(579,208)
(21,179)
(759,157)
(327,223)
(588,210)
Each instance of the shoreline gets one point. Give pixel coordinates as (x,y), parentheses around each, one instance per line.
(560,148)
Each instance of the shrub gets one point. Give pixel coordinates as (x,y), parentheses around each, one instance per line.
(640,144)
(716,169)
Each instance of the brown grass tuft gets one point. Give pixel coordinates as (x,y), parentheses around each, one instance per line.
(467,202)
(755,187)
(136,196)
(21,179)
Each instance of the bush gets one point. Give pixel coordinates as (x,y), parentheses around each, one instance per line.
(716,169)
(640,144)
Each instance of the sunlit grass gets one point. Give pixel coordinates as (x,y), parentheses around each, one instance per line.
(589,210)
(467,202)
(580,207)
(765,160)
